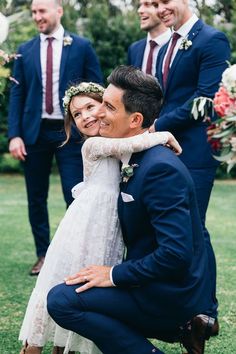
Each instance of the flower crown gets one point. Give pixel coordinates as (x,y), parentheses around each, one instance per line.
(83,87)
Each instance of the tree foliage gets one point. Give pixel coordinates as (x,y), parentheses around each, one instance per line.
(111,25)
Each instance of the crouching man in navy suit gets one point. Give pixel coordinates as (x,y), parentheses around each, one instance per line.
(161,290)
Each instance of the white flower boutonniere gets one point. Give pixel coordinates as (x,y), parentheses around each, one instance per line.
(67,40)
(127,171)
(185,44)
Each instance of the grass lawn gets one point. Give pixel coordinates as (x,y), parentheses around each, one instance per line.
(17,256)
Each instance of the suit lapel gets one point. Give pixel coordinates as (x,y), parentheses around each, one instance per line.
(64,55)
(36,56)
(191,36)
(140,53)
(159,63)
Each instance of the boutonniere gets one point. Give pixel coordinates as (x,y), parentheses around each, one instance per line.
(127,171)
(67,40)
(185,44)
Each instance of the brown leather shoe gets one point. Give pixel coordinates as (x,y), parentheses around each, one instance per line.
(28,349)
(197,331)
(60,350)
(37,266)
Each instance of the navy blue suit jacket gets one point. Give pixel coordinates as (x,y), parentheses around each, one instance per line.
(136,52)
(78,63)
(166,267)
(195,72)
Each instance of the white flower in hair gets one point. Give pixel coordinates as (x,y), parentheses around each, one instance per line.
(83,87)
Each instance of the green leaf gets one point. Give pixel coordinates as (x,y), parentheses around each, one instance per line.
(224,158)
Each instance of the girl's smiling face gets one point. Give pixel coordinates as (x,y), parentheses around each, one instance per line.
(83,109)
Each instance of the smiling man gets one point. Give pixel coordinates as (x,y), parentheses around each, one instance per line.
(46,65)
(143,53)
(190,66)
(161,289)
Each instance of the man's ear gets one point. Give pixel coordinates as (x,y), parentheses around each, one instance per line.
(60,11)
(136,120)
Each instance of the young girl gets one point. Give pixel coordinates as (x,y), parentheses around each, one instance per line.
(90,231)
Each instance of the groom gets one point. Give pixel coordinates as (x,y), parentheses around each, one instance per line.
(161,290)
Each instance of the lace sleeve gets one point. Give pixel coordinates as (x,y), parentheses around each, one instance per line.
(97,147)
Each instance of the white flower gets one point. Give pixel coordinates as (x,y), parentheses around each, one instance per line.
(67,40)
(185,44)
(127,171)
(229,80)
(4,26)
(233,143)
(66,100)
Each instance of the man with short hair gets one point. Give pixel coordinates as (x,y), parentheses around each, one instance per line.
(143,53)
(190,66)
(46,65)
(163,283)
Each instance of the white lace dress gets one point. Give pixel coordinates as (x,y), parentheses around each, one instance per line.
(89,233)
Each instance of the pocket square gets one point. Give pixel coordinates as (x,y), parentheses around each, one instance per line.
(127,197)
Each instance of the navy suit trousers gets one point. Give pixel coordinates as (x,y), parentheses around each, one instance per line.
(109,317)
(37,169)
(203,180)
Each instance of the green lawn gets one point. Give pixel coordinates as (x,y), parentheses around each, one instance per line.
(17,255)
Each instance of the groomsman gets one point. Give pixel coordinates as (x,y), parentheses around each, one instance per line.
(143,53)
(189,66)
(47,64)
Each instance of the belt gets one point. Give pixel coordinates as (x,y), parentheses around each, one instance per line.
(53,123)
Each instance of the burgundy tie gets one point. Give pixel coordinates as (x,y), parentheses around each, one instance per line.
(48,96)
(175,37)
(153,44)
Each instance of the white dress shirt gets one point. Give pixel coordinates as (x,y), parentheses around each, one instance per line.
(183,31)
(160,40)
(57,45)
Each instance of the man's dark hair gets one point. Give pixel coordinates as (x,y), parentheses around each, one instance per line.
(142,92)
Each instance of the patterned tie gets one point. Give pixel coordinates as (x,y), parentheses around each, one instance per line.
(175,37)
(153,44)
(48,96)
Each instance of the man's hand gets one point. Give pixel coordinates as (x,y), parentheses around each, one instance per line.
(17,149)
(92,276)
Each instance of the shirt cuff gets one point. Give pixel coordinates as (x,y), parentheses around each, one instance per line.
(111,278)
(155,123)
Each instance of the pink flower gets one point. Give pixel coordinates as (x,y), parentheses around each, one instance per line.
(222,102)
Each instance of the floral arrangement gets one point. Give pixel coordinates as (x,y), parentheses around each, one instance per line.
(127,171)
(185,44)
(83,87)
(5,72)
(222,133)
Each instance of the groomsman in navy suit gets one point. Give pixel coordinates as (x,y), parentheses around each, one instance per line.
(189,66)
(161,290)
(47,64)
(143,53)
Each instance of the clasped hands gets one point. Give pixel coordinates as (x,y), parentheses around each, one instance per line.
(92,276)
